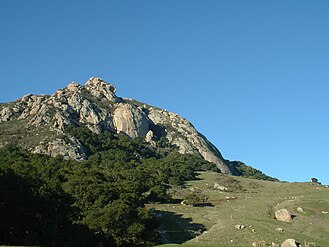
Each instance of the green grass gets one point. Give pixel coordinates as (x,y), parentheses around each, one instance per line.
(253,207)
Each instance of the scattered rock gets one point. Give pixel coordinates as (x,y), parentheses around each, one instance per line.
(240,226)
(279,229)
(259,244)
(184,202)
(300,209)
(275,245)
(290,243)
(324,212)
(217,186)
(283,215)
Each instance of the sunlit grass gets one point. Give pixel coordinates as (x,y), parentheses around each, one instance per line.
(254,208)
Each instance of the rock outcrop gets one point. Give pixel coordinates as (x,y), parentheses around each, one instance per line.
(217,186)
(69,149)
(182,133)
(130,120)
(102,90)
(97,107)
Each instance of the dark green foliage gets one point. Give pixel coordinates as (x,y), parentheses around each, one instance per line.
(243,170)
(229,182)
(34,209)
(195,198)
(315,180)
(99,202)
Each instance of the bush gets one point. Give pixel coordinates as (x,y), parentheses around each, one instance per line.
(195,198)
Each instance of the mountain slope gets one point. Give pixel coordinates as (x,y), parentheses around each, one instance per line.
(39,122)
(250,204)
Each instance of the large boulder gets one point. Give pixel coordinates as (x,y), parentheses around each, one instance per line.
(290,243)
(130,120)
(300,209)
(5,114)
(283,215)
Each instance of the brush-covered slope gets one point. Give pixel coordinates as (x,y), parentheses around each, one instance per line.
(39,122)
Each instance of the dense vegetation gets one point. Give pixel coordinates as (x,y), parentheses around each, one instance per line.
(241,169)
(49,201)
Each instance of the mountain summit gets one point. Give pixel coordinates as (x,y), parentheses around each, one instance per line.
(39,122)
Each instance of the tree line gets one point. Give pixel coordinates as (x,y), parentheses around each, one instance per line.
(47,201)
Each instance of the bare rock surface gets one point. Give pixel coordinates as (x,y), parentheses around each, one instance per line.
(71,149)
(130,120)
(5,114)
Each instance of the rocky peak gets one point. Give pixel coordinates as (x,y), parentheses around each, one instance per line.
(74,87)
(97,107)
(96,82)
(101,89)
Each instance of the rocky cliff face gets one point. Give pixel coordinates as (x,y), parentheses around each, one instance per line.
(38,122)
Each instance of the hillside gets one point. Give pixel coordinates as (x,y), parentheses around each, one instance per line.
(85,167)
(250,203)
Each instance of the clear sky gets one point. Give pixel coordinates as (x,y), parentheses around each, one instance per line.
(252,76)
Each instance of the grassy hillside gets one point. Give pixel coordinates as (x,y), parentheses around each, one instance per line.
(250,203)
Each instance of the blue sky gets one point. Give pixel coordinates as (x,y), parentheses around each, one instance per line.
(252,76)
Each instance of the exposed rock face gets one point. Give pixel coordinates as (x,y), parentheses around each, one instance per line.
(182,133)
(71,149)
(283,215)
(97,107)
(5,114)
(130,120)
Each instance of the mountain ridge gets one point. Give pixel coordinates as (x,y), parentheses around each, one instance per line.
(44,119)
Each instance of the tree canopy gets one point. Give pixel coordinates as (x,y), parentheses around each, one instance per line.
(50,201)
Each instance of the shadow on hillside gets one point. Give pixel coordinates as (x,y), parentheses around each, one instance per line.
(205,204)
(175,229)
